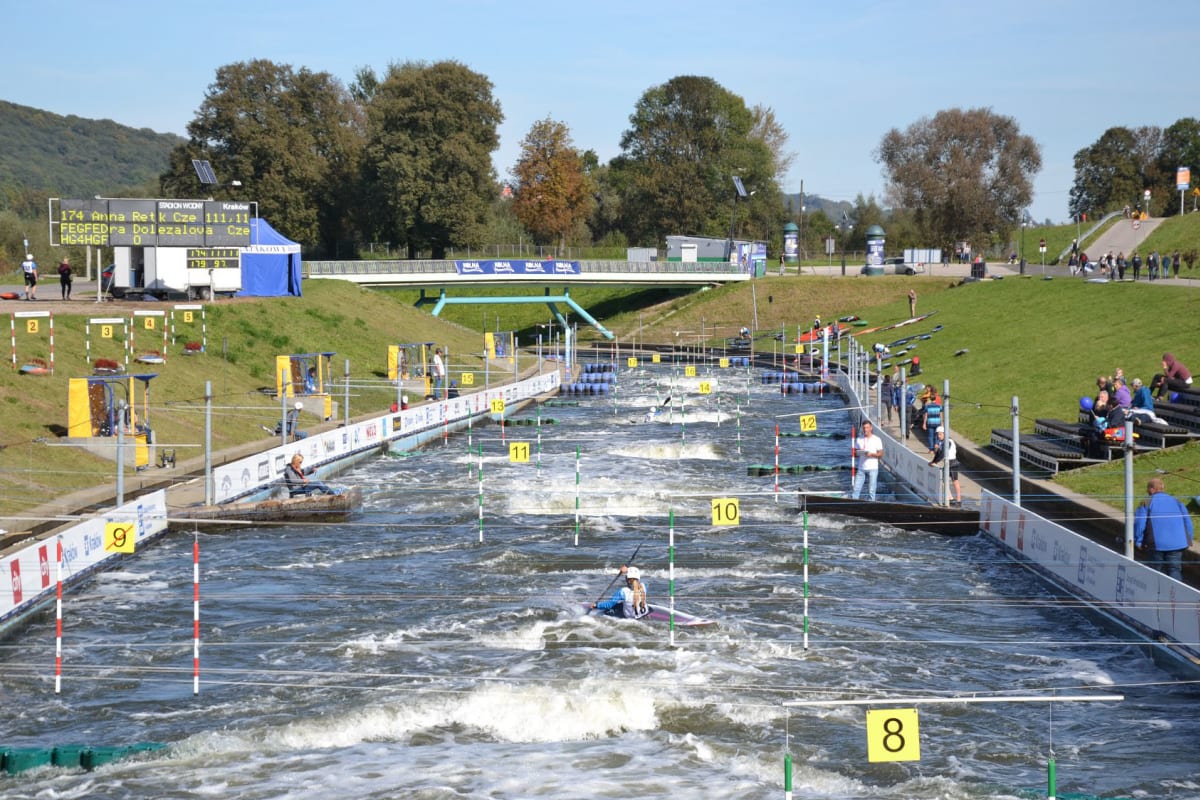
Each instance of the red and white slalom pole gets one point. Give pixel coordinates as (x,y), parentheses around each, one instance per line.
(58,619)
(196,614)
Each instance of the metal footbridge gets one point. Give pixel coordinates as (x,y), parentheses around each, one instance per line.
(547,274)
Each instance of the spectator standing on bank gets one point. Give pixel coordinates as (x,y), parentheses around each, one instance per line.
(912,302)
(1121,265)
(886,393)
(1168,525)
(29,268)
(439,372)
(1174,264)
(947,451)
(933,419)
(64,278)
(1136,263)
(1152,264)
(869,448)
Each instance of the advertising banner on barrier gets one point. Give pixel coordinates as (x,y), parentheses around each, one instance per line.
(1135,591)
(30,573)
(517,267)
(255,473)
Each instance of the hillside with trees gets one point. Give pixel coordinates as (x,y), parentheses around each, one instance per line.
(45,154)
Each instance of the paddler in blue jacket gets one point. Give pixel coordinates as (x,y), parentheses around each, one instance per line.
(630,600)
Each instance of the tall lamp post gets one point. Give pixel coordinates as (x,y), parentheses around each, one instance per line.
(739,192)
(1024,223)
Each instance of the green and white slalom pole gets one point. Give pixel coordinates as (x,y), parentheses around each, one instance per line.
(805,524)
(470,449)
(539,440)
(671,572)
(577,495)
(739,428)
(481,493)
(787,776)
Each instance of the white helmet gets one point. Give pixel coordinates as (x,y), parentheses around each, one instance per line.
(29,256)
(299,406)
(633,573)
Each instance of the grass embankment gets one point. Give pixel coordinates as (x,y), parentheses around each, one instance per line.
(244,337)
(1043,341)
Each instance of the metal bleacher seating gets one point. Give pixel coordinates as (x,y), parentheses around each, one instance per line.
(1057,444)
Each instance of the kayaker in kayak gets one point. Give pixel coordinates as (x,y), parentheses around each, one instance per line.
(630,600)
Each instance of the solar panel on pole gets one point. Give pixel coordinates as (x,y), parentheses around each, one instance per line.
(204,171)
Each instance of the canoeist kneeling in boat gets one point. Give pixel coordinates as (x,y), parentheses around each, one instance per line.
(297,481)
(630,600)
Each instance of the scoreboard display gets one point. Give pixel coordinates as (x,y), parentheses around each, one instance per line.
(213,257)
(154,223)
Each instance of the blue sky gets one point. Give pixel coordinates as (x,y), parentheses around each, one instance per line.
(838,74)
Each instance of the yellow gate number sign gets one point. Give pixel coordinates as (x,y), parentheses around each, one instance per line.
(800,349)
(31,326)
(893,735)
(148,323)
(656,359)
(518,452)
(106,331)
(187,316)
(118,537)
(724,363)
(468,378)
(498,405)
(725,511)
(631,362)
(689,371)
(808,423)
(705,387)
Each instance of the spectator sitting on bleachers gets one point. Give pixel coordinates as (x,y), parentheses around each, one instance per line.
(1121,396)
(1104,384)
(1173,376)
(1092,432)
(1141,407)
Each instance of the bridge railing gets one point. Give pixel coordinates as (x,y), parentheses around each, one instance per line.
(447,267)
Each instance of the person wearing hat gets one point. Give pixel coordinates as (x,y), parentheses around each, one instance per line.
(947,451)
(630,600)
(293,422)
(29,268)
(64,277)
(296,479)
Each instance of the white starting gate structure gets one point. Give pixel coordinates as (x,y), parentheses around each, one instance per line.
(188,316)
(32,326)
(108,326)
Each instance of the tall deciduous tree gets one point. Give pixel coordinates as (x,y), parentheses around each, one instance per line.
(766,129)
(431,132)
(1180,148)
(964,175)
(553,193)
(1107,176)
(292,138)
(687,139)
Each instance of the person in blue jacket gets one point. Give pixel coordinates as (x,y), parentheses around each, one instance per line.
(1169,525)
(630,600)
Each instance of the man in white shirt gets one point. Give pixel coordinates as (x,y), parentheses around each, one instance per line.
(869,449)
(439,373)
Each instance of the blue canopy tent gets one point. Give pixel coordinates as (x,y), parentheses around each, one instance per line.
(271,264)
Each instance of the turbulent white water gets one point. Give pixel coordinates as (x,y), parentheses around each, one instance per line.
(398,656)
